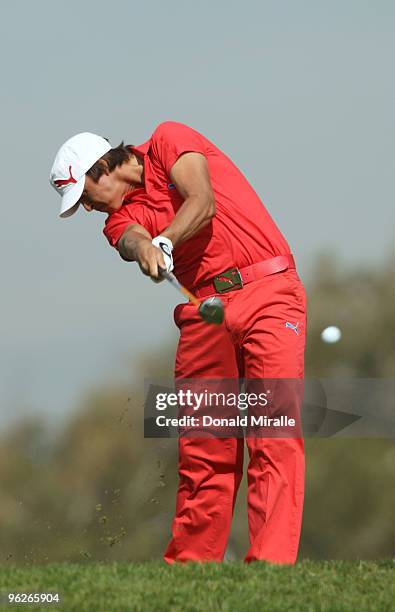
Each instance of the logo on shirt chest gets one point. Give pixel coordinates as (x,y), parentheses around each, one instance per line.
(171,186)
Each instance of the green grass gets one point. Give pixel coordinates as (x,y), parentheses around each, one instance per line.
(234,586)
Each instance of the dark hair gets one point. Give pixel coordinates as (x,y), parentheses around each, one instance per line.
(114,157)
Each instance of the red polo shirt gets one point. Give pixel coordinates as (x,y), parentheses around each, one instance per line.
(241,233)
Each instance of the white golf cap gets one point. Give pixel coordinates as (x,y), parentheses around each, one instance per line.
(74,158)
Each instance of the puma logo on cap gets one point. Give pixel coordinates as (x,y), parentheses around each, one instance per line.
(64,182)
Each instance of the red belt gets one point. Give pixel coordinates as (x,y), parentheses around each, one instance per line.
(235,279)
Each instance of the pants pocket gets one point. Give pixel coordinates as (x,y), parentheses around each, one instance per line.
(297,287)
(177,314)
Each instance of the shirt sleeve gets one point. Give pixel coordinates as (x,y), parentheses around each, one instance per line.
(117,222)
(172,139)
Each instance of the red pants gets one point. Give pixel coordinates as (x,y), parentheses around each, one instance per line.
(253,342)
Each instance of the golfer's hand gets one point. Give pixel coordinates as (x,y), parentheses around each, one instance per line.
(166,246)
(150,259)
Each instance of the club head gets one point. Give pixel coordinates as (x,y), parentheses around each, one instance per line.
(212,310)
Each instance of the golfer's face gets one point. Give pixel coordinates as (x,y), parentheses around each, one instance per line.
(104,196)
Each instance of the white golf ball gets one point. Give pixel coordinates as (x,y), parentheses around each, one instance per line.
(331,334)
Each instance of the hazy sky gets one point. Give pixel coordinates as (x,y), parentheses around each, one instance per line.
(300,94)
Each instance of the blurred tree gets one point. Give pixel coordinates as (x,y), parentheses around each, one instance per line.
(360,302)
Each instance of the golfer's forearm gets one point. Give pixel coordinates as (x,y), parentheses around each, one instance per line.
(195,212)
(131,240)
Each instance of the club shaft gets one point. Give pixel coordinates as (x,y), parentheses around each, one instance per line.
(173,281)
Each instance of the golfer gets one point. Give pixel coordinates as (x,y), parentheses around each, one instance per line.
(177,202)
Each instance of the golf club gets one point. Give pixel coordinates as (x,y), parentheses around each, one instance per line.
(211,310)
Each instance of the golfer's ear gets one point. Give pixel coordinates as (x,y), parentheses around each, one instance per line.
(191,176)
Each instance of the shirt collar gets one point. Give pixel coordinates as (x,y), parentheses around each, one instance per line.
(143,150)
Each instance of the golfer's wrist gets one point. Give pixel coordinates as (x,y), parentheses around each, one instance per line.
(131,244)
(171,235)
